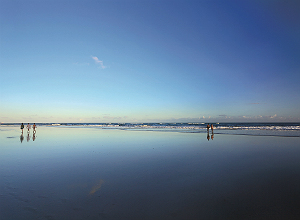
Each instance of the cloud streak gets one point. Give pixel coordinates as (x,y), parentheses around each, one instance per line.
(99,62)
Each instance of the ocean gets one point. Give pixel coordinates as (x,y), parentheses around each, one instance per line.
(261,129)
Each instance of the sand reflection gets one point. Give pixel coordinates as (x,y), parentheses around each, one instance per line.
(148,175)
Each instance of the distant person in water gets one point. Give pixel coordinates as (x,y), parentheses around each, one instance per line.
(212,128)
(207,127)
(28,127)
(22,127)
(34,126)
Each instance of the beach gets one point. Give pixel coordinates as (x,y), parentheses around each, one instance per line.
(73,172)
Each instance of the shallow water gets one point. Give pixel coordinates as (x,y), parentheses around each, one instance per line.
(90,173)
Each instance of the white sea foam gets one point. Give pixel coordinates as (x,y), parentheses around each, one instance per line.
(179,126)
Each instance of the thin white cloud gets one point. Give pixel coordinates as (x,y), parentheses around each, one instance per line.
(99,62)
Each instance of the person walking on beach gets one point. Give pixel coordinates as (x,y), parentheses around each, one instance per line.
(28,127)
(22,127)
(212,128)
(34,127)
(207,127)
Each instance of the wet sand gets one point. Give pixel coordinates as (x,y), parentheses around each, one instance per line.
(90,173)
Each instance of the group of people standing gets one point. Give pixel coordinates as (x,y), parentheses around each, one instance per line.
(210,127)
(28,132)
(28,127)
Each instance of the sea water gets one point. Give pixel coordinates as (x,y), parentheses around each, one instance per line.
(273,129)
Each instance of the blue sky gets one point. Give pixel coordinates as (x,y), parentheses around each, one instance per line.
(149,61)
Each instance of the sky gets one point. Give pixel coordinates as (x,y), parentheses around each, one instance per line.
(149,61)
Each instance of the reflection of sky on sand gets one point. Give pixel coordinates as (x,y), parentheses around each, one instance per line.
(86,173)
(96,187)
(80,186)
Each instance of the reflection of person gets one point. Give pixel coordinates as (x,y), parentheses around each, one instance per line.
(212,136)
(33,136)
(208,137)
(28,137)
(21,137)
(207,127)
(22,127)
(212,128)
(28,126)
(34,126)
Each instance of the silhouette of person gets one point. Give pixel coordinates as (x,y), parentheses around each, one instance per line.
(28,127)
(22,127)
(212,128)
(34,126)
